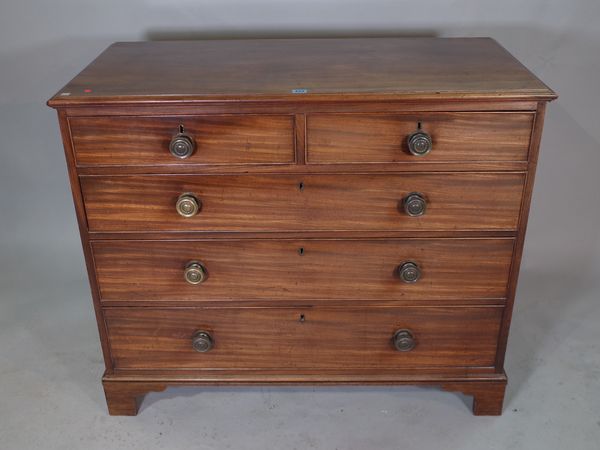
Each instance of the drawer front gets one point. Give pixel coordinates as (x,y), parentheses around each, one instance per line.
(454,201)
(304,269)
(382,138)
(226,139)
(311,338)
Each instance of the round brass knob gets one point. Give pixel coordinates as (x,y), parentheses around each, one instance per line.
(202,341)
(409,272)
(414,204)
(188,205)
(182,146)
(419,143)
(195,272)
(404,340)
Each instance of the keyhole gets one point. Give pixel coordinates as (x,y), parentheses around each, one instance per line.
(301,186)
(181,130)
(301,251)
(302,318)
(418,125)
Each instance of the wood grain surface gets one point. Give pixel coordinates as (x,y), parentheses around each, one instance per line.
(382,138)
(220,139)
(278,69)
(301,168)
(125,391)
(154,338)
(303,269)
(353,202)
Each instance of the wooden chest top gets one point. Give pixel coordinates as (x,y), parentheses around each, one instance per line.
(303,69)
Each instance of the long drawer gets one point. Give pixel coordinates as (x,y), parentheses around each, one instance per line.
(309,202)
(295,338)
(446,269)
(384,138)
(215,139)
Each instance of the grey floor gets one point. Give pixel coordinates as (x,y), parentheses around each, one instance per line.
(51,398)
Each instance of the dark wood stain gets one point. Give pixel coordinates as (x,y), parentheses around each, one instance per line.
(271,69)
(301,165)
(147,271)
(382,138)
(230,139)
(338,202)
(330,338)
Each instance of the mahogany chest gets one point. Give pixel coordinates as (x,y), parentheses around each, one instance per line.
(308,211)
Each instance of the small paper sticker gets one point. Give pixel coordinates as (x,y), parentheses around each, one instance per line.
(65,94)
(299,91)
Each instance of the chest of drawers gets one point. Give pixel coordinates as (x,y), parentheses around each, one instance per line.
(323,211)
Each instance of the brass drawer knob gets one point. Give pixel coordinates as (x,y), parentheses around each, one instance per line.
(404,340)
(188,205)
(415,204)
(419,143)
(409,272)
(195,272)
(202,341)
(182,146)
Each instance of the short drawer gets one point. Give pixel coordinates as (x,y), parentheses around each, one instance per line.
(214,139)
(384,138)
(346,269)
(302,338)
(254,203)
